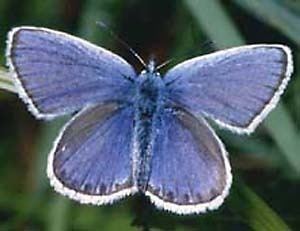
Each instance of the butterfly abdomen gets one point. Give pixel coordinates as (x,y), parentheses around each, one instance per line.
(149,94)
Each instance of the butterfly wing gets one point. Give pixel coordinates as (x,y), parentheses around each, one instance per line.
(190,170)
(237,87)
(91,159)
(57,73)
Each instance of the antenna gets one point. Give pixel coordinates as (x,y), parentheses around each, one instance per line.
(206,43)
(164,64)
(116,37)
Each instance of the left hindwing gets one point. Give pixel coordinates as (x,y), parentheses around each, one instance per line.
(190,171)
(237,87)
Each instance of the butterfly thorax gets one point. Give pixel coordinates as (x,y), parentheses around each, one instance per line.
(148,92)
(149,95)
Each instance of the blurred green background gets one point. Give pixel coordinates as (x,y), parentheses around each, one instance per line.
(266,165)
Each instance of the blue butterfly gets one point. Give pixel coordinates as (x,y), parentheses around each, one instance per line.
(144,132)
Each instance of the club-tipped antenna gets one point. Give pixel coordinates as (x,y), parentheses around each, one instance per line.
(164,64)
(116,37)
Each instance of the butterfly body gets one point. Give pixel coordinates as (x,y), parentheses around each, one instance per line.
(144,133)
(149,105)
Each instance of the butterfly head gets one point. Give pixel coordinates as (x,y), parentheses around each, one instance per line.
(149,81)
(150,70)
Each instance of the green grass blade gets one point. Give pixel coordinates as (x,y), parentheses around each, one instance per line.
(58,214)
(6,82)
(253,210)
(283,131)
(277,14)
(212,18)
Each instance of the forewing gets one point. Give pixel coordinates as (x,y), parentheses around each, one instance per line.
(237,87)
(190,170)
(91,160)
(57,73)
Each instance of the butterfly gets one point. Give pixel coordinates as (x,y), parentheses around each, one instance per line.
(144,132)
